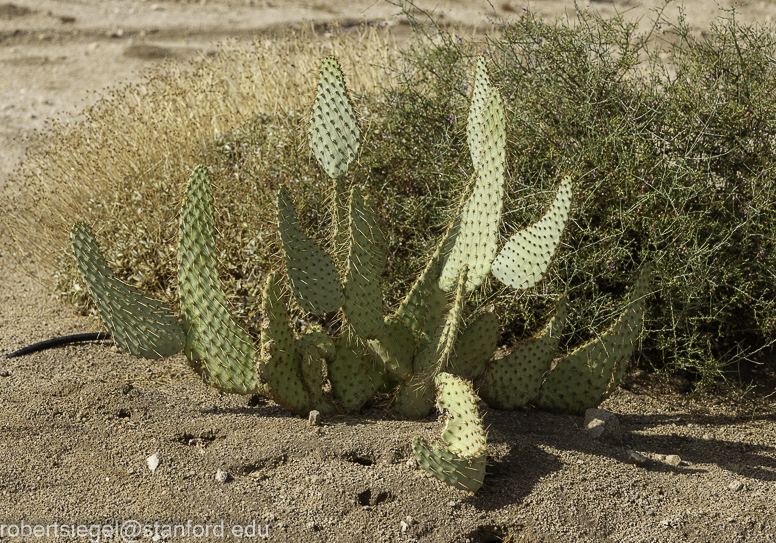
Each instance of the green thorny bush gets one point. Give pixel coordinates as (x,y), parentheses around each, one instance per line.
(667,136)
(671,140)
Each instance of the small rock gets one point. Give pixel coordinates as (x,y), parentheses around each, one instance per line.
(603,426)
(314,419)
(637,458)
(673,460)
(735,486)
(411,463)
(404,526)
(153,462)
(651,512)
(707,437)
(222,476)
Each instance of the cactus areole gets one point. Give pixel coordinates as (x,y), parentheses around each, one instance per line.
(423,351)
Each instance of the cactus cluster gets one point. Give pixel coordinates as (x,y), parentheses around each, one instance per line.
(421,353)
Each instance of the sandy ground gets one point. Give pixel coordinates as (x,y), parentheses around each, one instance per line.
(77,424)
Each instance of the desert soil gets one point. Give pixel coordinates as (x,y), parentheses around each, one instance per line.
(78,424)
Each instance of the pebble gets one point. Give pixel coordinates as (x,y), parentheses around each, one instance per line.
(673,460)
(314,419)
(637,458)
(735,486)
(222,476)
(153,462)
(603,425)
(404,526)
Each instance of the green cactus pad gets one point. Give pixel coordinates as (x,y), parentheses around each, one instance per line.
(333,135)
(363,300)
(477,236)
(585,377)
(461,464)
(395,348)
(475,126)
(139,323)
(474,347)
(415,397)
(312,273)
(353,375)
(279,364)
(524,259)
(513,381)
(316,349)
(437,348)
(215,343)
(425,296)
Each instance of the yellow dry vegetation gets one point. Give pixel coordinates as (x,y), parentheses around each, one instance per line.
(163,126)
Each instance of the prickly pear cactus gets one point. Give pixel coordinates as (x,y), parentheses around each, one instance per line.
(461,461)
(430,348)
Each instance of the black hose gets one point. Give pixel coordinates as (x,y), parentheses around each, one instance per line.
(57,341)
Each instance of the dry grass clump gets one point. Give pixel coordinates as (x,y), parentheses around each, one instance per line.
(141,141)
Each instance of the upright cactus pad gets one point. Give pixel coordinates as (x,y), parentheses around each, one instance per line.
(585,377)
(394,348)
(279,365)
(312,273)
(524,259)
(316,350)
(513,381)
(353,375)
(334,136)
(474,347)
(437,349)
(476,240)
(363,300)
(475,127)
(461,463)
(139,323)
(214,341)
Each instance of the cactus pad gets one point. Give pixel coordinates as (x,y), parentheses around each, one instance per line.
(279,363)
(353,375)
(316,349)
(333,135)
(475,127)
(477,230)
(311,271)
(462,462)
(139,323)
(395,348)
(474,347)
(513,381)
(437,348)
(214,341)
(415,397)
(363,300)
(524,259)
(586,376)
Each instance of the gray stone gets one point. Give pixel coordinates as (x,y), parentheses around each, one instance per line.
(604,426)
(637,458)
(735,486)
(673,460)
(314,419)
